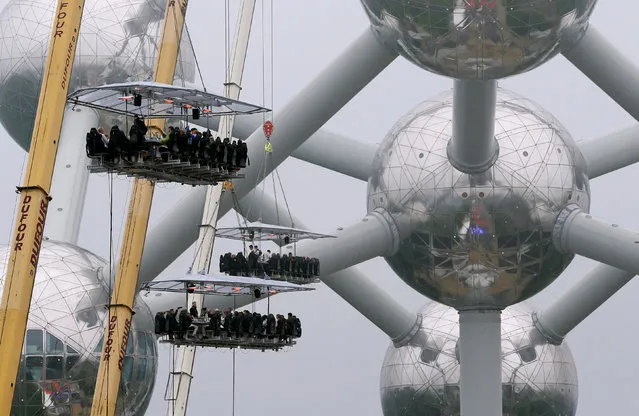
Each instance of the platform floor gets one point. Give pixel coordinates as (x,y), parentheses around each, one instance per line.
(226,342)
(173,171)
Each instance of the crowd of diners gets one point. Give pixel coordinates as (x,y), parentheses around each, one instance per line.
(179,144)
(181,324)
(257,263)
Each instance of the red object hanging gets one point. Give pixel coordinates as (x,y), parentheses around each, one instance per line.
(268,129)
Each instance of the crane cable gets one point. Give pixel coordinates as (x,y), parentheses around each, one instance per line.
(227,69)
(197,63)
(268,102)
(234,369)
(199,244)
(288,209)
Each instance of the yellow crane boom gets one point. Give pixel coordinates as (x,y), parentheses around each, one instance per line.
(121,307)
(34,194)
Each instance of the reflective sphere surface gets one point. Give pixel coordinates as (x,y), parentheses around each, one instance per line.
(477,39)
(64,338)
(424,380)
(479,240)
(118,43)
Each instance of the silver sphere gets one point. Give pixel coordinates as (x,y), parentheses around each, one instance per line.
(118,43)
(64,338)
(478,39)
(423,380)
(479,240)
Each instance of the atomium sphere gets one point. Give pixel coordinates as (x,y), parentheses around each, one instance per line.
(423,380)
(478,39)
(65,332)
(118,43)
(480,239)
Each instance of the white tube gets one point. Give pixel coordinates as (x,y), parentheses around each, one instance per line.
(480,362)
(611,152)
(607,67)
(581,233)
(70,176)
(473,147)
(325,148)
(366,239)
(371,237)
(570,309)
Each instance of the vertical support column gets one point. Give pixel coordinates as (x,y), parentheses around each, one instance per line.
(204,250)
(121,307)
(480,362)
(232,86)
(70,176)
(186,355)
(473,148)
(184,363)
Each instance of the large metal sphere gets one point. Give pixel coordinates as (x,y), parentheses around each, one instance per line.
(479,240)
(478,39)
(423,380)
(118,42)
(64,338)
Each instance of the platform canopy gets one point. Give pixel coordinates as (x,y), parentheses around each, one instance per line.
(221,284)
(159,101)
(266,232)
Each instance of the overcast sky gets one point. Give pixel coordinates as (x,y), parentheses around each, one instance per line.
(335,367)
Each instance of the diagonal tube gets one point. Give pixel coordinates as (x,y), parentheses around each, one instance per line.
(611,152)
(562,316)
(349,283)
(338,153)
(580,233)
(607,67)
(362,61)
(325,148)
(374,235)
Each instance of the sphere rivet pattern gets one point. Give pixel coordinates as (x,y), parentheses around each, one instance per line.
(479,240)
(422,379)
(478,39)
(64,338)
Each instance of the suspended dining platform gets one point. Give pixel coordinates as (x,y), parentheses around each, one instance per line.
(194,159)
(208,332)
(284,266)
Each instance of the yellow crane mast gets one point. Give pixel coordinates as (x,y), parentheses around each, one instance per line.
(34,194)
(121,307)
